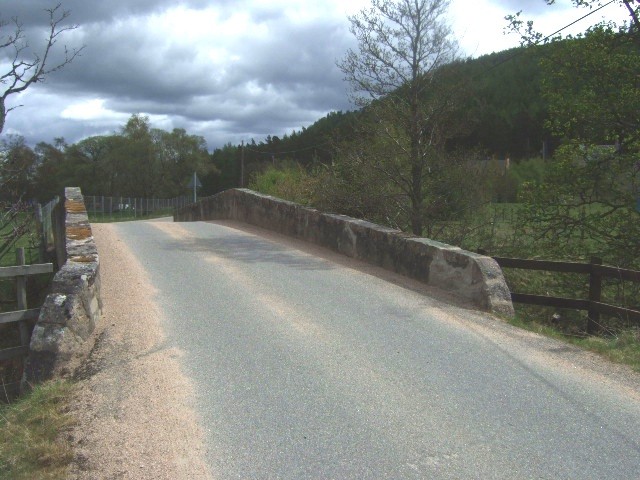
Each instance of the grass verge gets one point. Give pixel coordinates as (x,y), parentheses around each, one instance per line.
(31,445)
(621,347)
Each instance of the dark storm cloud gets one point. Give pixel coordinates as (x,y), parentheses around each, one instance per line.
(283,79)
(32,12)
(135,63)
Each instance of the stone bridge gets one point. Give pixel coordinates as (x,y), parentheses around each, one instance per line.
(471,277)
(61,338)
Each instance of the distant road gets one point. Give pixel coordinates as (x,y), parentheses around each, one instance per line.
(307,368)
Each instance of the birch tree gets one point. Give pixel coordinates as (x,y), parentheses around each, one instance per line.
(401,44)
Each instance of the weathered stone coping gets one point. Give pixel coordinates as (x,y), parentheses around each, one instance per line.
(470,276)
(61,338)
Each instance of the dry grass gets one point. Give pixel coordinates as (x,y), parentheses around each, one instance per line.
(32,444)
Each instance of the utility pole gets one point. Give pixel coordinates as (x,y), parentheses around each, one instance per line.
(195,186)
(242,166)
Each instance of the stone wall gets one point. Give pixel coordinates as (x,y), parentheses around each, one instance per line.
(61,338)
(472,277)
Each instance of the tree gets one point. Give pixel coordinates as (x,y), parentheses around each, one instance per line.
(586,206)
(380,190)
(17,163)
(530,36)
(179,155)
(591,86)
(401,46)
(26,68)
(141,162)
(226,161)
(49,173)
(588,202)
(17,168)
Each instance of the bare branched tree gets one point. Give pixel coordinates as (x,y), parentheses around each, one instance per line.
(399,43)
(27,68)
(401,46)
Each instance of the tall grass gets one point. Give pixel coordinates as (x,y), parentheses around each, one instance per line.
(32,443)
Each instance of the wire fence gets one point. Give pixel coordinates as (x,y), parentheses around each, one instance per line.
(101,207)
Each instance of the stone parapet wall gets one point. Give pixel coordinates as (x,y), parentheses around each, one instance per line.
(470,276)
(61,338)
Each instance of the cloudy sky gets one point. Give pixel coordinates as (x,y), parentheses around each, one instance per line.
(228,70)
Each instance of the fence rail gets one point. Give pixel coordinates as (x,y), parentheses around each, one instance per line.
(593,304)
(130,206)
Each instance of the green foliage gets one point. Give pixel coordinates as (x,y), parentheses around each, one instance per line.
(372,178)
(583,202)
(587,203)
(531,171)
(591,86)
(17,229)
(289,181)
(586,206)
(226,161)
(17,162)
(138,162)
(127,215)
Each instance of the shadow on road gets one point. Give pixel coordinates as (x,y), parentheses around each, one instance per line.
(250,249)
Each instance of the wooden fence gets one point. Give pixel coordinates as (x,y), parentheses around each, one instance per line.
(593,304)
(24,316)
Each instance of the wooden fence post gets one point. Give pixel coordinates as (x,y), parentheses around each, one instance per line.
(41,232)
(21,292)
(595,291)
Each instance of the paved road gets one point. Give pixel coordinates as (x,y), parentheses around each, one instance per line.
(307,369)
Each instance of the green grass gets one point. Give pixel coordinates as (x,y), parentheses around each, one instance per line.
(127,216)
(620,347)
(26,242)
(32,444)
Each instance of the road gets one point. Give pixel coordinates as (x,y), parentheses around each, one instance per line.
(307,365)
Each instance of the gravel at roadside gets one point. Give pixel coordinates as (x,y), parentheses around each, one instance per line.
(133,403)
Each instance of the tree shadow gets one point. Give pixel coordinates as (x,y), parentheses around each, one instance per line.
(250,249)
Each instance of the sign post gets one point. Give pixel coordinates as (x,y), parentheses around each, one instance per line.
(195,184)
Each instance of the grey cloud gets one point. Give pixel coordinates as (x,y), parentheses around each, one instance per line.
(527,6)
(283,81)
(534,7)
(32,12)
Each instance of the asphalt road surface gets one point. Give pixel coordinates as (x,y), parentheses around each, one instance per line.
(307,366)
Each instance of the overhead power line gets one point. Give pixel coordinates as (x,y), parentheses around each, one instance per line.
(545,39)
(288,151)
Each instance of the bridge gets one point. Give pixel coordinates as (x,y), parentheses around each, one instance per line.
(304,362)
